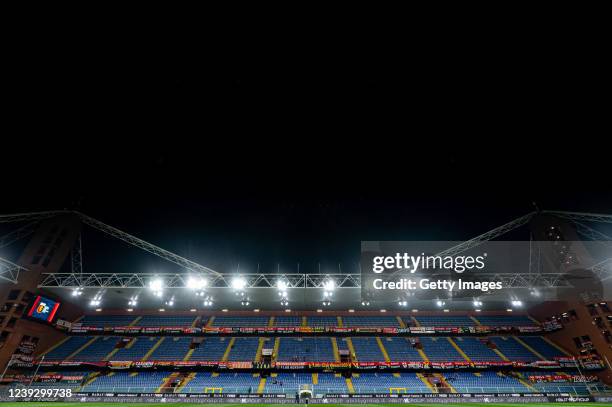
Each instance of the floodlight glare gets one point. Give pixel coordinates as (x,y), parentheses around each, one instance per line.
(477,303)
(517,303)
(282,285)
(238,283)
(156,285)
(329,285)
(196,283)
(440,303)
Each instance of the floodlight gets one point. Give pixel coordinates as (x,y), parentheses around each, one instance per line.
(477,303)
(238,283)
(440,303)
(282,285)
(196,283)
(156,285)
(329,285)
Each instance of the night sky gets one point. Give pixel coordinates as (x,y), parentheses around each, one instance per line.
(252,162)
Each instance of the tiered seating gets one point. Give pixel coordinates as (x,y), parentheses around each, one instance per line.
(400,349)
(228,383)
(107,320)
(231,321)
(171,349)
(329,384)
(367,350)
(505,320)
(542,347)
(139,348)
(322,321)
(67,348)
(210,349)
(144,382)
(440,350)
(154,320)
(575,388)
(476,350)
(98,349)
(288,321)
(484,382)
(288,383)
(357,321)
(244,349)
(454,320)
(383,382)
(512,349)
(306,349)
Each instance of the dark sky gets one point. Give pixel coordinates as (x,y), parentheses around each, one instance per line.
(297,159)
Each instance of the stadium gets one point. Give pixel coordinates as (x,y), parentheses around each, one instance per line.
(200,336)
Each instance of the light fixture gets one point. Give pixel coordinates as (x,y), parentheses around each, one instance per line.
(365,303)
(192,310)
(130,310)
(282,285)
(403,303)
(196,283)
(156,285)
(329,285)
(440,303)
(477,303)
(238,283)
(517,303)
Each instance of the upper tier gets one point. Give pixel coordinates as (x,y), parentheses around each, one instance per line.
(351,321)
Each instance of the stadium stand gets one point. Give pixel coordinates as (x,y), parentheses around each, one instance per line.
(476,349)
(485,382)
(306,349)
(171,349)
(210,349)
(231,321)
(98,349)
(400,349)
(244,349)
(107,320)
(512,349)
(136,349)
(127,382)
(439,349)
(64,350)
(358,321)
(205,382)
(366,349)
(458,320)
(288,321)
(505,320)
(322,321)
(542,347)
(149,320)
(387,382)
